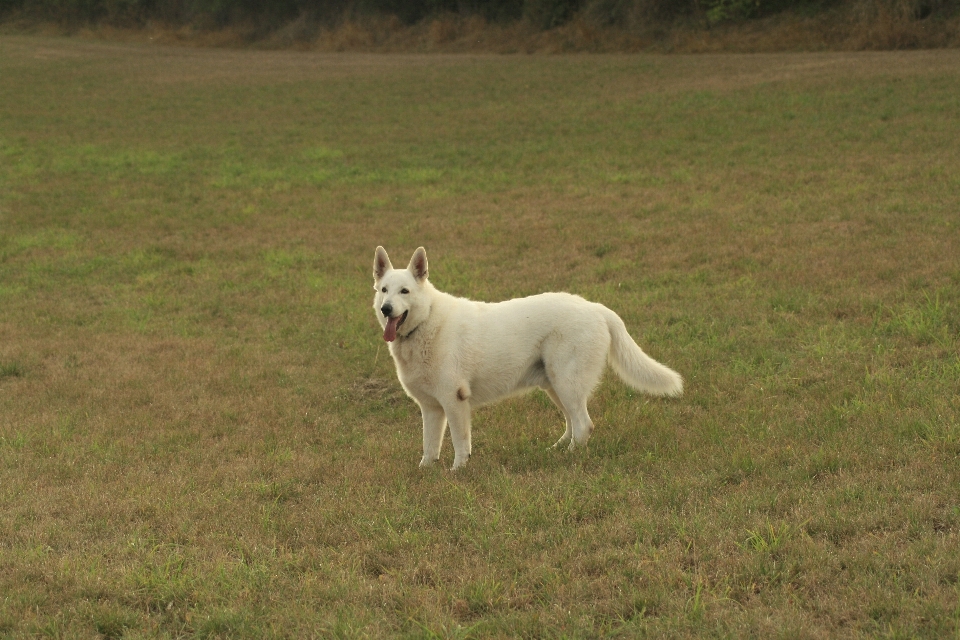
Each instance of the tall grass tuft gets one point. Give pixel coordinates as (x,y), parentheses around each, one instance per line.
(11,370)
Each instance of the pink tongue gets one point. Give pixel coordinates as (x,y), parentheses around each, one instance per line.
(390,332)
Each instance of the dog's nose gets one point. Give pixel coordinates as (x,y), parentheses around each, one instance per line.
(386,310)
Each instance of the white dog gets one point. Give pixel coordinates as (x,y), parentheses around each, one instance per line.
(454,354)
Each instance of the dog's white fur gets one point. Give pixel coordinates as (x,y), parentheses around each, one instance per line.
(454,354)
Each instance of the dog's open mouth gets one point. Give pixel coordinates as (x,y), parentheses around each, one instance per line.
(390,331)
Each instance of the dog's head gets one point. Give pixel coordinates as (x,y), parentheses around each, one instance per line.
(400,303)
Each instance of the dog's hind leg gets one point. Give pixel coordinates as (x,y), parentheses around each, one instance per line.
(573,376)
(572,400)
(434,425)
(582,425)
(568,434)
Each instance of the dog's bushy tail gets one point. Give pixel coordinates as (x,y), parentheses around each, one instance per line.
(636,368)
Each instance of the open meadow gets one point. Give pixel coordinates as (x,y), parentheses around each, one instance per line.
(202,434)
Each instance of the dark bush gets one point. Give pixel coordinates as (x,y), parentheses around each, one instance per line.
(545,14)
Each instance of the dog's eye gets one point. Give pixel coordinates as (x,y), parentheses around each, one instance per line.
(384,289)
(404,291)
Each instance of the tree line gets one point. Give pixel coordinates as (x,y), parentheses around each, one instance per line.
(544,14)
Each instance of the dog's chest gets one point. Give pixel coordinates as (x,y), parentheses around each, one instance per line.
(416,362)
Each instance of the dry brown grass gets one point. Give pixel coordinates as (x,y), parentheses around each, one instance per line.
(199,438)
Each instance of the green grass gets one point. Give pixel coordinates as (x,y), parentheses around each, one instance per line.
(201,433)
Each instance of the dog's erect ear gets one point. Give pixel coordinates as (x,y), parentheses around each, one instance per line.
(418,264)
(381,263)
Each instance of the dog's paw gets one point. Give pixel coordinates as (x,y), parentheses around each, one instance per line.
(559,444)
(428,462)
(459,463)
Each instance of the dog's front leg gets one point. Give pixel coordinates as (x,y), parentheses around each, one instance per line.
(434,425)
(459,416)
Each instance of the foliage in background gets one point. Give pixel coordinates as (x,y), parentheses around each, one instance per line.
(542,14)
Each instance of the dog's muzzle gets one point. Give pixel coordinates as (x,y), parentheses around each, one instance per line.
(390,330)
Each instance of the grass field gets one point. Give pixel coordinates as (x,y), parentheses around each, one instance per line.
(201,434)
